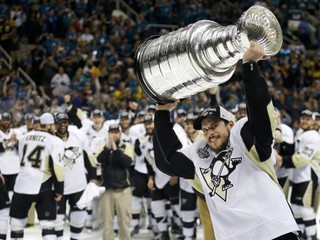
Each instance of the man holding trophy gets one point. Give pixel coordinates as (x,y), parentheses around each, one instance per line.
(232,165)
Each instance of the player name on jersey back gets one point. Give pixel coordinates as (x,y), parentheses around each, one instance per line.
(35,138)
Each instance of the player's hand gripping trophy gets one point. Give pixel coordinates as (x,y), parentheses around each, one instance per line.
(202,55)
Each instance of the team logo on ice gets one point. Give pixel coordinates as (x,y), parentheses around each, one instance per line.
(217,174)
(70,156)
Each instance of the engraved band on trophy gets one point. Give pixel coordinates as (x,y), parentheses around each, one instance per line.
(202,55)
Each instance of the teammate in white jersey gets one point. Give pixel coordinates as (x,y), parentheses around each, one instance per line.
(4,208)
(137,129)
(77,162)
(96,134)
(284,145)
(232,163)
(316,116)
(240,111)
(9,158)
(28,123)
(305,175)
(9,165)
(40,179)
(125,122)
(140,175)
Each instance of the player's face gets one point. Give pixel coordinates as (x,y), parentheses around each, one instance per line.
(36,125)
(97,120)
(5,123)
(125,122)
(306,122)
(181,119)
(241,114)
(29,123)
(317,123)
(52,128)
(149,126)
(189,127)
(62,126)
(216,133)
(115,135)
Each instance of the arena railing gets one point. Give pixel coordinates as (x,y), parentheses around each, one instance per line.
(24,76)
(5,58)
(129,11)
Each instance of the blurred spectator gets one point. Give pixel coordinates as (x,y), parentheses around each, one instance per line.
(79,80)
(19,16)
(50,44)
(48,69)
(86,37)
(60,83)
(4,9)
(163,11)
(6,30)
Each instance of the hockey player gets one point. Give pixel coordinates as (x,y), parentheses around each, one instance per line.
(140,174)
(4,208)
(28,126)
(9,158)
(240,111)
(253,207)
(125,124)
(40,156)
(77,161)
(284,145)
(9,164)
(305,175)
(96,134)
(316,116)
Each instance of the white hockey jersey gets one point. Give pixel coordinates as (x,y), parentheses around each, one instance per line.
(287,136)
(23,129)
(242,194)
(160,178)
(306,157)
(96,138)
(185,141)
(73,160)
(137,131)
(35,150)
(139,162)
(9,159)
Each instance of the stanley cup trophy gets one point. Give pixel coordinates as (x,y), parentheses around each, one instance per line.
(202,55)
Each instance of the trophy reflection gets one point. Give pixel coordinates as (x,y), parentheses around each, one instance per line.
(202,55)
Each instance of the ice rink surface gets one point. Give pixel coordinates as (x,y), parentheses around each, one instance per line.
(34,233)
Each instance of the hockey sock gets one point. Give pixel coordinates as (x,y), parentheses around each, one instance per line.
(77,220)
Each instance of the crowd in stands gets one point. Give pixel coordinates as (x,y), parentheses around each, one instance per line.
(79,47)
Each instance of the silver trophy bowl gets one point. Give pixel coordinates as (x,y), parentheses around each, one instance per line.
(202,55)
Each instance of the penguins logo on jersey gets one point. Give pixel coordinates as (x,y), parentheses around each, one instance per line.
(70,156)
(217,174)
(307,151)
